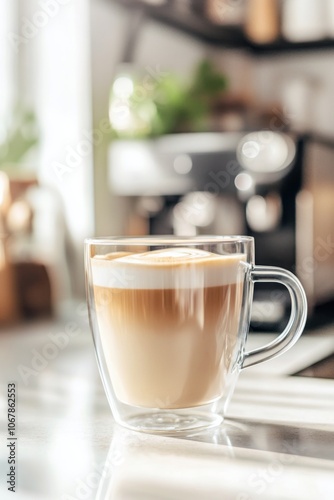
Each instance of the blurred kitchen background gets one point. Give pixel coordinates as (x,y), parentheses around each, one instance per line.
(165,116)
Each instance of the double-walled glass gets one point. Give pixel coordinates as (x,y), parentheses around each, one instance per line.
(170,318)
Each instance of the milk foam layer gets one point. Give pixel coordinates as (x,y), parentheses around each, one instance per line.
(167,268)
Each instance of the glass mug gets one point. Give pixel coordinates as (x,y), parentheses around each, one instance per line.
(170,318)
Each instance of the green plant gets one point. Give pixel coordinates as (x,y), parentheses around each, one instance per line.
(183,108)
(171,105)
(19,139)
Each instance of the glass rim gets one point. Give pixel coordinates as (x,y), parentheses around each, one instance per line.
(169,239)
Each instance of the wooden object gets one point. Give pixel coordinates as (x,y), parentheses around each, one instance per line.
(262,22)
(8,297)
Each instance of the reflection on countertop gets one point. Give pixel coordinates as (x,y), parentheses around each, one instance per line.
(277,442)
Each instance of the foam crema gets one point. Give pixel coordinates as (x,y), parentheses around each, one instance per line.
(167,268)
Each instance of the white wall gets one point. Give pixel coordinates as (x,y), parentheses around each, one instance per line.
(239,67)
(108,24)
(313,105)
(302,81)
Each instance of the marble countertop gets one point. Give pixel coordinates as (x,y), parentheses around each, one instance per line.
(277,442)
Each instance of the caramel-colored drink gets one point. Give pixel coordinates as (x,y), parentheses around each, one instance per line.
(168,322)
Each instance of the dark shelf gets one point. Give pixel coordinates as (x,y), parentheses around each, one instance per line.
(284,46)
(223,36)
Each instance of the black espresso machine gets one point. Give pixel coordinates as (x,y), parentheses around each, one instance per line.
(274,186)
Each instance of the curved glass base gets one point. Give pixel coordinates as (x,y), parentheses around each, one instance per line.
(169,422)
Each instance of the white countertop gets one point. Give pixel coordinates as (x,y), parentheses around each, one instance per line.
(278,441)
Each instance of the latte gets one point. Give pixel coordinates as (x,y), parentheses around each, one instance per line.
(168,322)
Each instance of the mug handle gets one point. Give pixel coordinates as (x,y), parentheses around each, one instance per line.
(297,320)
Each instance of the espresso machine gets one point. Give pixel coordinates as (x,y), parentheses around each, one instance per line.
(277,187)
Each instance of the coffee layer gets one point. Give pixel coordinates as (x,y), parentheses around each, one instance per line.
(167,268)
(169,348)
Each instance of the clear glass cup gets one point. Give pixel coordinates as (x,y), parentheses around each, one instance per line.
(170,318)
